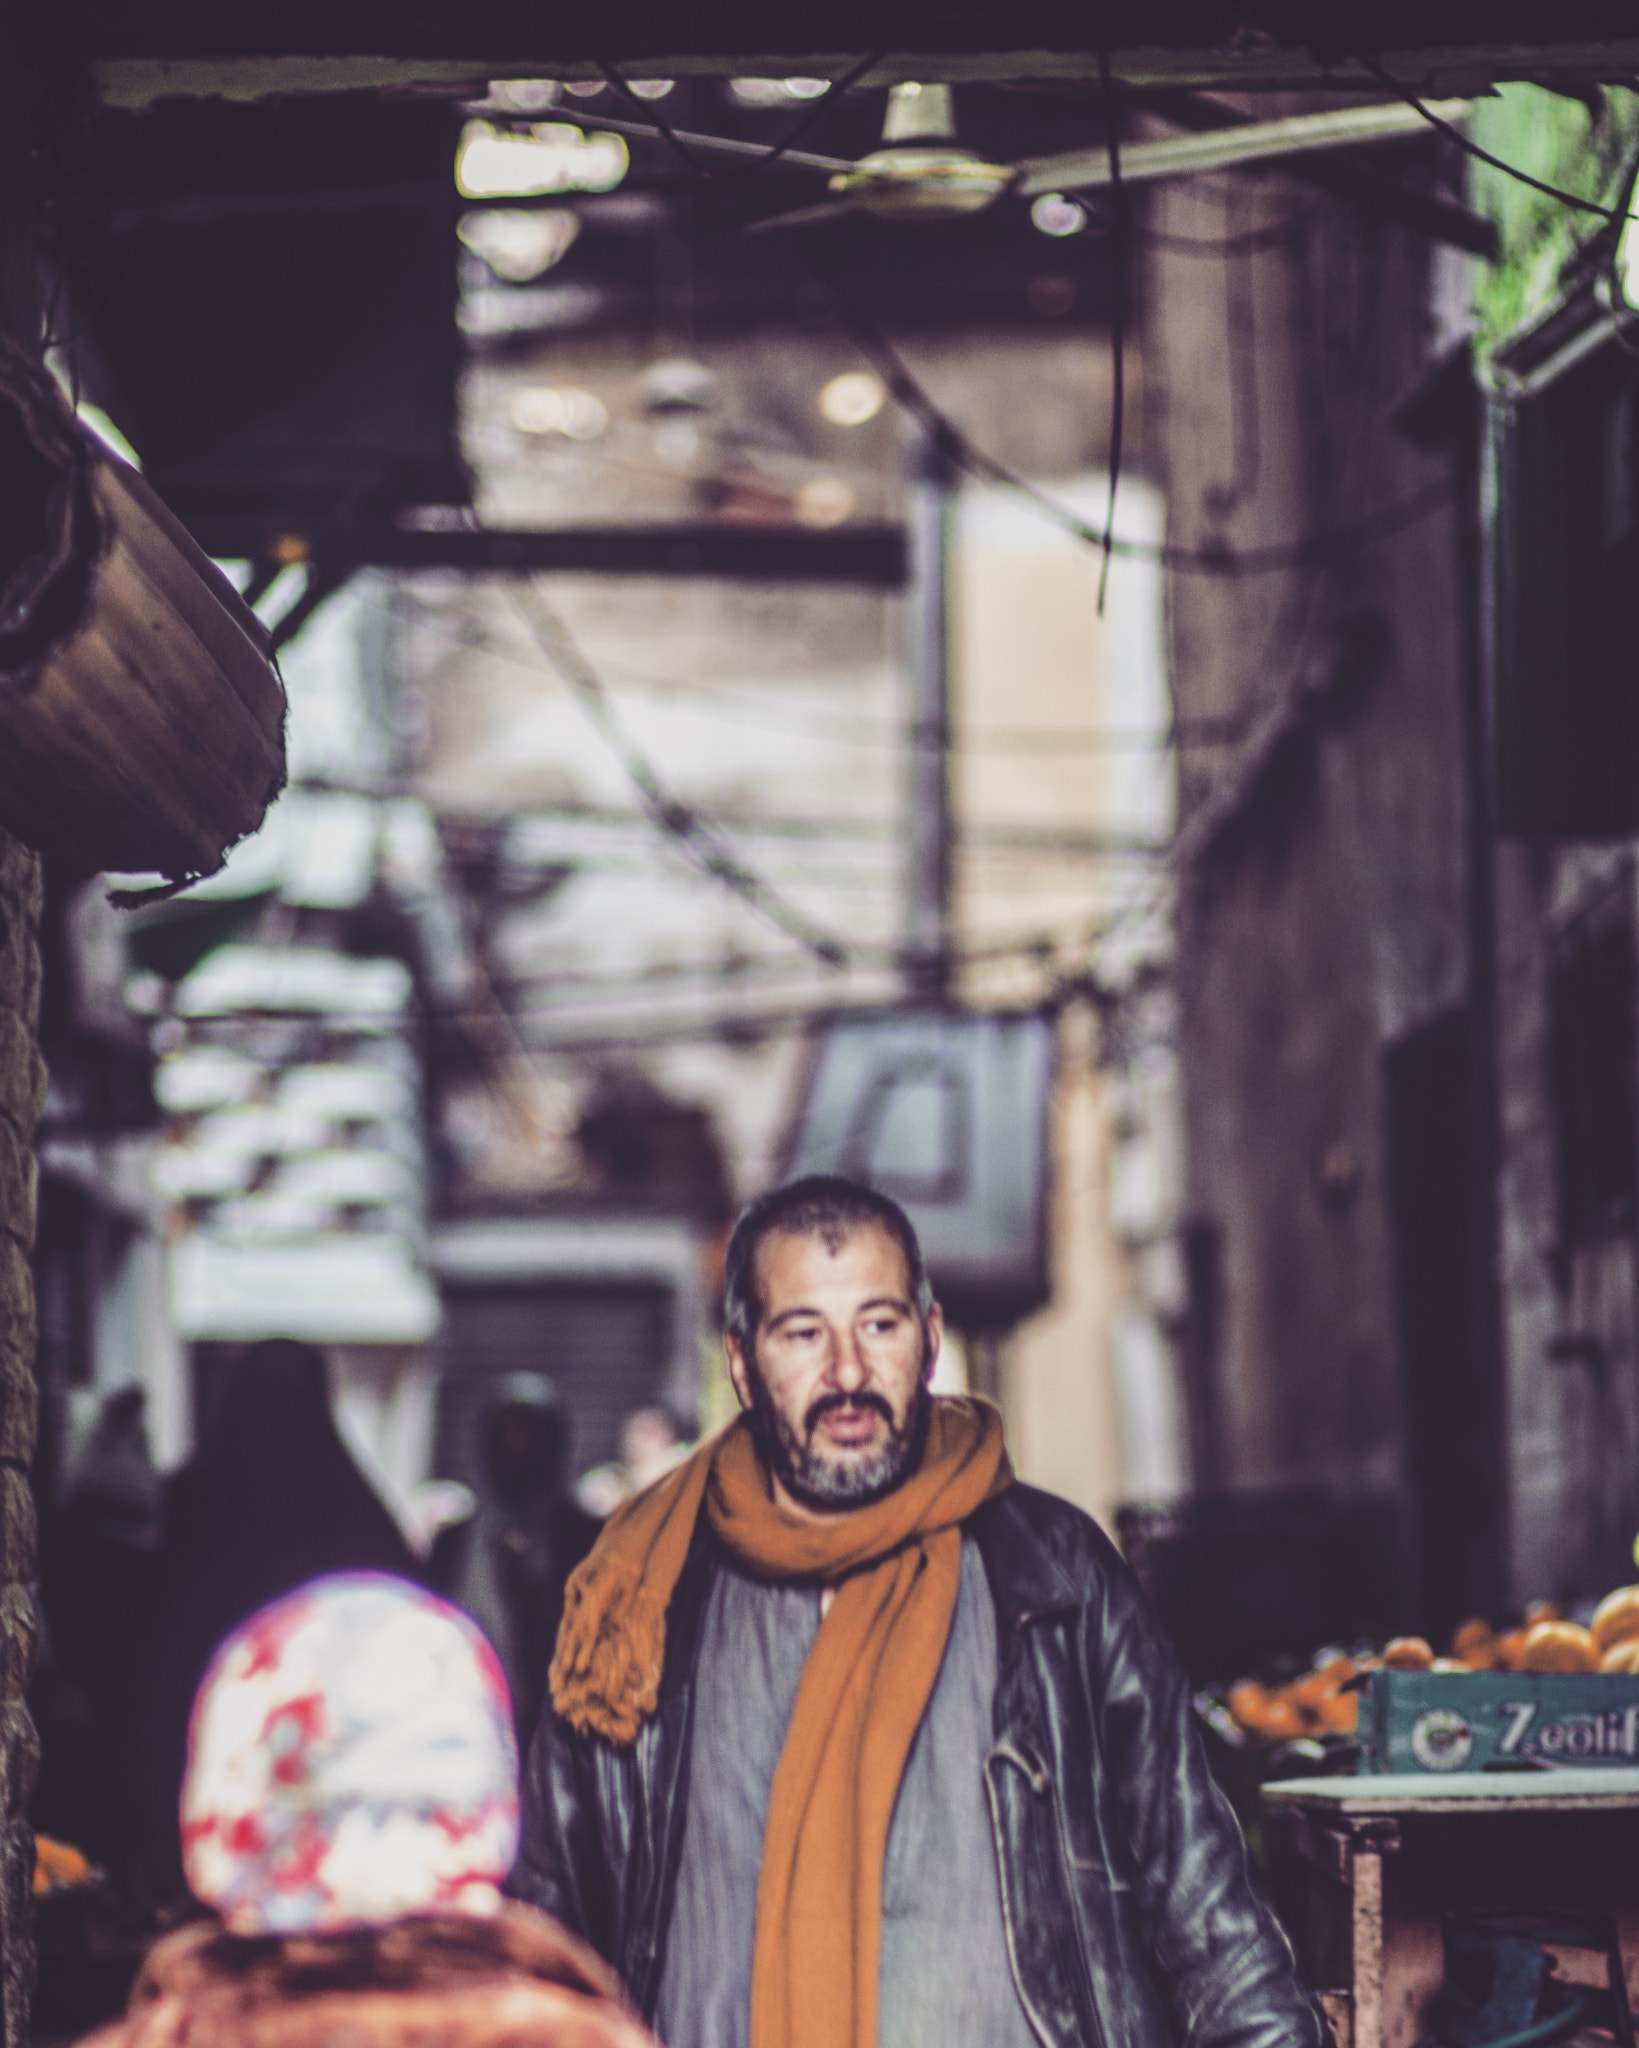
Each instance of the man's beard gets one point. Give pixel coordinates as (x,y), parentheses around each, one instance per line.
(824,1482)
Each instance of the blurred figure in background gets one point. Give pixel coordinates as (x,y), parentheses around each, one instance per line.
(112,1488)
(649,1448)
(508,1565)
(100,1561)
(270,1500)
(349,1812)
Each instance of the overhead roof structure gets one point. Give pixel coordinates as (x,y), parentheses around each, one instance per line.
(137,53)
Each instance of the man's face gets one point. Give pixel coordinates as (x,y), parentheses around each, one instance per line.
(838,1368)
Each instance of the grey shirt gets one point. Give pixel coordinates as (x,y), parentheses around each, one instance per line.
(945,1978)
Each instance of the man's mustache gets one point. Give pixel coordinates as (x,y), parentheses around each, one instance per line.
(828,1404)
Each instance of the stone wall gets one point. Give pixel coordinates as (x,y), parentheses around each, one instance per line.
(1322,808)
(22,1097)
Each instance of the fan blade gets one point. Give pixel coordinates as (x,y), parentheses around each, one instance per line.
(1179,156)
(723,145)
(804,217)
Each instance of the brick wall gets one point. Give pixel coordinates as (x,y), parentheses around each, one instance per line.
(22,1096)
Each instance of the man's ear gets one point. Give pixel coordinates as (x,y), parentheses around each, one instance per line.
(734,1352)
(935,1327)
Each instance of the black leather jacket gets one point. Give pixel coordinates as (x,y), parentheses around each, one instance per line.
(1131,1916)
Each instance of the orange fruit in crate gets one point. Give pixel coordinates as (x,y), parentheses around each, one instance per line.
(1474,1643)
(1558,1646)
(1249,1703)
(1616,1618)
(1340,1715)
(1272,1716)
(1407,1653)
(1510,1648)
(1542,1610)
(1324,1682)
(1622,1656)
(1284,1720)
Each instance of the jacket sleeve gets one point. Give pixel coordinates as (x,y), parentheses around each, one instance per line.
(562,1867)
(1221,1958)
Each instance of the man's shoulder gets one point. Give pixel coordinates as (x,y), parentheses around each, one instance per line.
(1067,1530)
(1050,1551)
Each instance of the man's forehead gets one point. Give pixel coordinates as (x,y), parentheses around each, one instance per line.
(825,1243)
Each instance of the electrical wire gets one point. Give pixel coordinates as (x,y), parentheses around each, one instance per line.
(1316,550)
(1118,338)
(773,977)
(1041,946)
(700,842)
(739,1026)
(656,119)
(851,833)
(912,397)
(804,124)
(1484,156)
(1311,552)
(996,741)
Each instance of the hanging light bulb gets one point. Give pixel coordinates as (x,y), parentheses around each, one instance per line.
(550,156)
(1055,215)
(852,398)
(921,172)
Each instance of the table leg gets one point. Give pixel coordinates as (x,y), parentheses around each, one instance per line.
(1367,1932)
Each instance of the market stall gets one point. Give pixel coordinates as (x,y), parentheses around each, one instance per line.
(1366,1870)
(1457,1866)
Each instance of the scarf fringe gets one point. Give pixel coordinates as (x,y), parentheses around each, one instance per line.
(605,1675)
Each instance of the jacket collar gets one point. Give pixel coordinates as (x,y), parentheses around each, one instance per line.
(1027,1581)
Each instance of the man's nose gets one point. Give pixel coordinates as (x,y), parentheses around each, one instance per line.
(847,1369)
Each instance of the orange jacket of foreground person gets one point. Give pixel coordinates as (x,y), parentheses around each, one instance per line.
(349,1810)
(516,1980)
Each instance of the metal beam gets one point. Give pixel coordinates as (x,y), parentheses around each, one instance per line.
(872,554)
(140,51)
(1361,184)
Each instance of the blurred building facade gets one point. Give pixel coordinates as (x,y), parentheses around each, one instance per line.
(466,1060)
(1322,850)
(1405,1017)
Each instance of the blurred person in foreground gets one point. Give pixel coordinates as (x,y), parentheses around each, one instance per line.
(271,1499)
(853,1739)
(509,1564)
(349,1811)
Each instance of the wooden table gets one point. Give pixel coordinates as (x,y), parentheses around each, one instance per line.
(1361,1870)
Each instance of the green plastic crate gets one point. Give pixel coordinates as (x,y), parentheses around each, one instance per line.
(1443,1721)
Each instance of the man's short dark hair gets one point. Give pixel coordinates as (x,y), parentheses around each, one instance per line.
(823,1205)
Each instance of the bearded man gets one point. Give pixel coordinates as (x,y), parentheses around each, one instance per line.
(853,1739)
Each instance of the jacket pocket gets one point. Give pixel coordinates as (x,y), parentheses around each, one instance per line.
(1039,1919)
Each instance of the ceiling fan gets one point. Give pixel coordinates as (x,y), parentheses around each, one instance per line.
(921,172)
